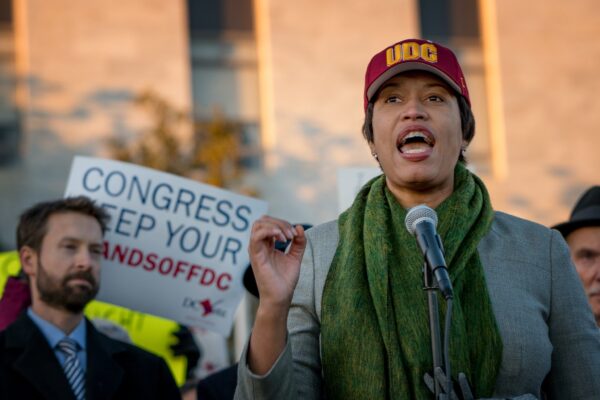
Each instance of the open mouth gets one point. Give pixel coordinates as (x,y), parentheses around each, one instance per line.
(415,142)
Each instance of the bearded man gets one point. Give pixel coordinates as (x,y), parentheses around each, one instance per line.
(53,351)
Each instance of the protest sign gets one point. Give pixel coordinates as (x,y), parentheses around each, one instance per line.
(149,332)
(9,266)
(174,248)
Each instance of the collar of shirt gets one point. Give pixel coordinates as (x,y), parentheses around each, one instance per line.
(54,334)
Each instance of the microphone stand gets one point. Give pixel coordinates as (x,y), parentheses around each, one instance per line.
(430,286)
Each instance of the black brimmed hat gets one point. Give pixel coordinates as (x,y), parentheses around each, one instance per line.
(585,213)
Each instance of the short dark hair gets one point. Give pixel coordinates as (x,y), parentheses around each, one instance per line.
(33,222)
(467,122)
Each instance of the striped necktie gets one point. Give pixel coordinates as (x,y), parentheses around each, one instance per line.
(72,367)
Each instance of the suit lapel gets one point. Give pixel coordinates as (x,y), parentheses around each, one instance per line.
(104,374)
(37,362)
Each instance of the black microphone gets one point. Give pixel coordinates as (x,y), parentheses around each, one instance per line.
(421,221)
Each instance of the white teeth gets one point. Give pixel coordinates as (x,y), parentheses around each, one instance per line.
(415,134)
(415,142)
(414,151)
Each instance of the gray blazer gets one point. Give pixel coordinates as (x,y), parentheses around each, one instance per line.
(545,322)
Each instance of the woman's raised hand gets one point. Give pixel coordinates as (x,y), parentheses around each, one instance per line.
(276,272)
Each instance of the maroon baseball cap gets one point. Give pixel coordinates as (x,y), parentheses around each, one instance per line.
(410,55)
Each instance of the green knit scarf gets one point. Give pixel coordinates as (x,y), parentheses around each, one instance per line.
(374,318)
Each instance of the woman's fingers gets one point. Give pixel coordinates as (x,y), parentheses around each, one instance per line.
(276,272)
(298,243)
(266,229)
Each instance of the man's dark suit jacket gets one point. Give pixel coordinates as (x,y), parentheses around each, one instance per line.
(218,386)
(29,368)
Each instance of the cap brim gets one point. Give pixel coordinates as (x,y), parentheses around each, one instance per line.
(409,66)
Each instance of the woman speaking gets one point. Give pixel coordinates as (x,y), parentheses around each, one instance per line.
(343,314)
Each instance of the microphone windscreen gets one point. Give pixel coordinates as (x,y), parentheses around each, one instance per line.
(417,214)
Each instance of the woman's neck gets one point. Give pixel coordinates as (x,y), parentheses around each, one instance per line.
(410,197)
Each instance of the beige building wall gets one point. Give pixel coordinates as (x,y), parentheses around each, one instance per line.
(79,64)
(312,56)
(312,60)
(549,61)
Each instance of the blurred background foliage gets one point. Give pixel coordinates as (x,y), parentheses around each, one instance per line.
(211,154)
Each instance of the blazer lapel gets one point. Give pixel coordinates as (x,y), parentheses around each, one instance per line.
(104,374)
(37,362)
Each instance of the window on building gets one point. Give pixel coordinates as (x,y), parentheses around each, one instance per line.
(455,23)
(224,67)
(10,136)
(445,20)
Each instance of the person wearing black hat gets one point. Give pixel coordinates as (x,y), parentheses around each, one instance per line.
(582,233)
